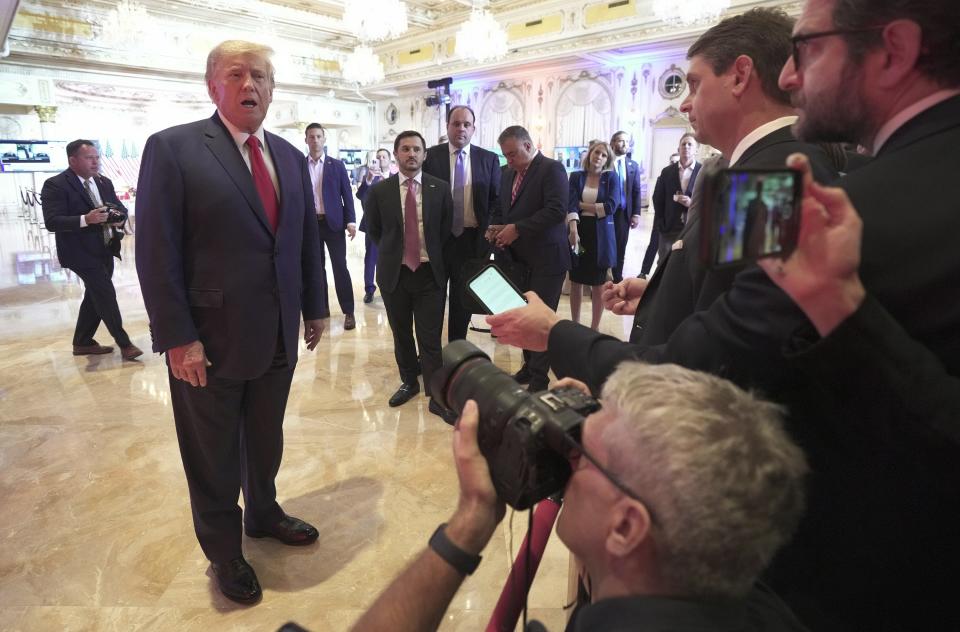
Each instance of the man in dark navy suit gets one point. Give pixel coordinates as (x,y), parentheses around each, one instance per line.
(408,216)
(474,177)
(229,257)
(530,226)
(333,199)
(377,170)
(628,206)
(74,209)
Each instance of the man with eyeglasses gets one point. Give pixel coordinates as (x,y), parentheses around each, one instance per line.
(878,547)
(708,487)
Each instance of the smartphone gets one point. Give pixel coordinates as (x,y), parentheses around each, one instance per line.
(492,289)
(748,214)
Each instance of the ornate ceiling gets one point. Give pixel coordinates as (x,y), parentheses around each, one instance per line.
(312,42)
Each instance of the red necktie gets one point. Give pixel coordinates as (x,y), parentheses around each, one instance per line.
(411,227)
(263,182)
(516,186)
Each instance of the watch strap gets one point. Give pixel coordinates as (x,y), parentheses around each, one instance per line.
(463,562)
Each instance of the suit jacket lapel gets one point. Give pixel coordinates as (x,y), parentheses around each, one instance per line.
(74,181)
(427,200)
(285,173)
(221,145)
(782,135)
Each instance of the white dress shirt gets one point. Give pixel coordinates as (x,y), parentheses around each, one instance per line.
(240,138)
(469,216)
(757,134)
(315,167)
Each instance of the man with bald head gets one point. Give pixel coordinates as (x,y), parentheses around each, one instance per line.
(229,257)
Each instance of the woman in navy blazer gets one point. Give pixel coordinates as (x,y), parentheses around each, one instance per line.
(593,195)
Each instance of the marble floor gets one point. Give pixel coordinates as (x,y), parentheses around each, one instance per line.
(95,522)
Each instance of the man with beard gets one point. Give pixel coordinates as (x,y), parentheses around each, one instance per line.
(877,549)
(409,217)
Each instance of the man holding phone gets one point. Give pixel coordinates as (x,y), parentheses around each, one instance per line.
(378,168)
(878,549)
(409,217)
(672,195)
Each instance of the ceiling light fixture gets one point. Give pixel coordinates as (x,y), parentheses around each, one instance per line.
(363,66)
(481,38)
(689,12)
(373,21)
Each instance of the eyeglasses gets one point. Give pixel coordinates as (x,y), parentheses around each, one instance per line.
(576,448)
(797,40)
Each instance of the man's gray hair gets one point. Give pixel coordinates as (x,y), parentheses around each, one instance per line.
(721,477)
(231,48)
(515,131)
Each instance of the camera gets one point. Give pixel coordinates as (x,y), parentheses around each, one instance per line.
(525,437)
(115,214)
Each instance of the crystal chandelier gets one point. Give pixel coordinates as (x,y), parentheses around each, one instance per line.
(127,25)
(481,38)
(375,20)
(689,12)
(363,66)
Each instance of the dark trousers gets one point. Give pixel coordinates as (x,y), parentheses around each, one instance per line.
(99,304)
(548,287)
(369,264)
(459,250)
(621,230)
(417,301)
(336,242)
(651,252)
(231,439)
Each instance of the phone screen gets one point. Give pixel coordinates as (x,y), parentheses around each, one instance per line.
(495,292)
(756,214)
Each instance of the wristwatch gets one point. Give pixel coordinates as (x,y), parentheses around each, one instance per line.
(463,562)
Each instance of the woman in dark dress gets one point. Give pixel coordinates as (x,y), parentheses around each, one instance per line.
(593,195)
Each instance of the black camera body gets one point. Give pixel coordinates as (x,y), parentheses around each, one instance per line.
(115,213)
(525,437)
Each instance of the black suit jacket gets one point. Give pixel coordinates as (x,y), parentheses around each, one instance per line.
(384,212)
(210,266)
(362,191)
(539,214)
(484,179)
(64,202)
(877,548)
(682,284)
(668,214)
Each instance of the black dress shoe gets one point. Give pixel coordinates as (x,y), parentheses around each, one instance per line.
(368,297)
(289,530)
(93,349)
(237,581)
(404,394)
(448,416)
(523,376)
(349,322)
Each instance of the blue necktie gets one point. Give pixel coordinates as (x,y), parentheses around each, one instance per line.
(623,185)
(459,176)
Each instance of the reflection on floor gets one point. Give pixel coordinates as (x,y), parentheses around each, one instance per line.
(96,522)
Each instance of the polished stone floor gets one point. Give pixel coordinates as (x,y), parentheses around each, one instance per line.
(95,522)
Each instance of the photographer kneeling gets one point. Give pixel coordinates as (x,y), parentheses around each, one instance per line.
(708,487)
